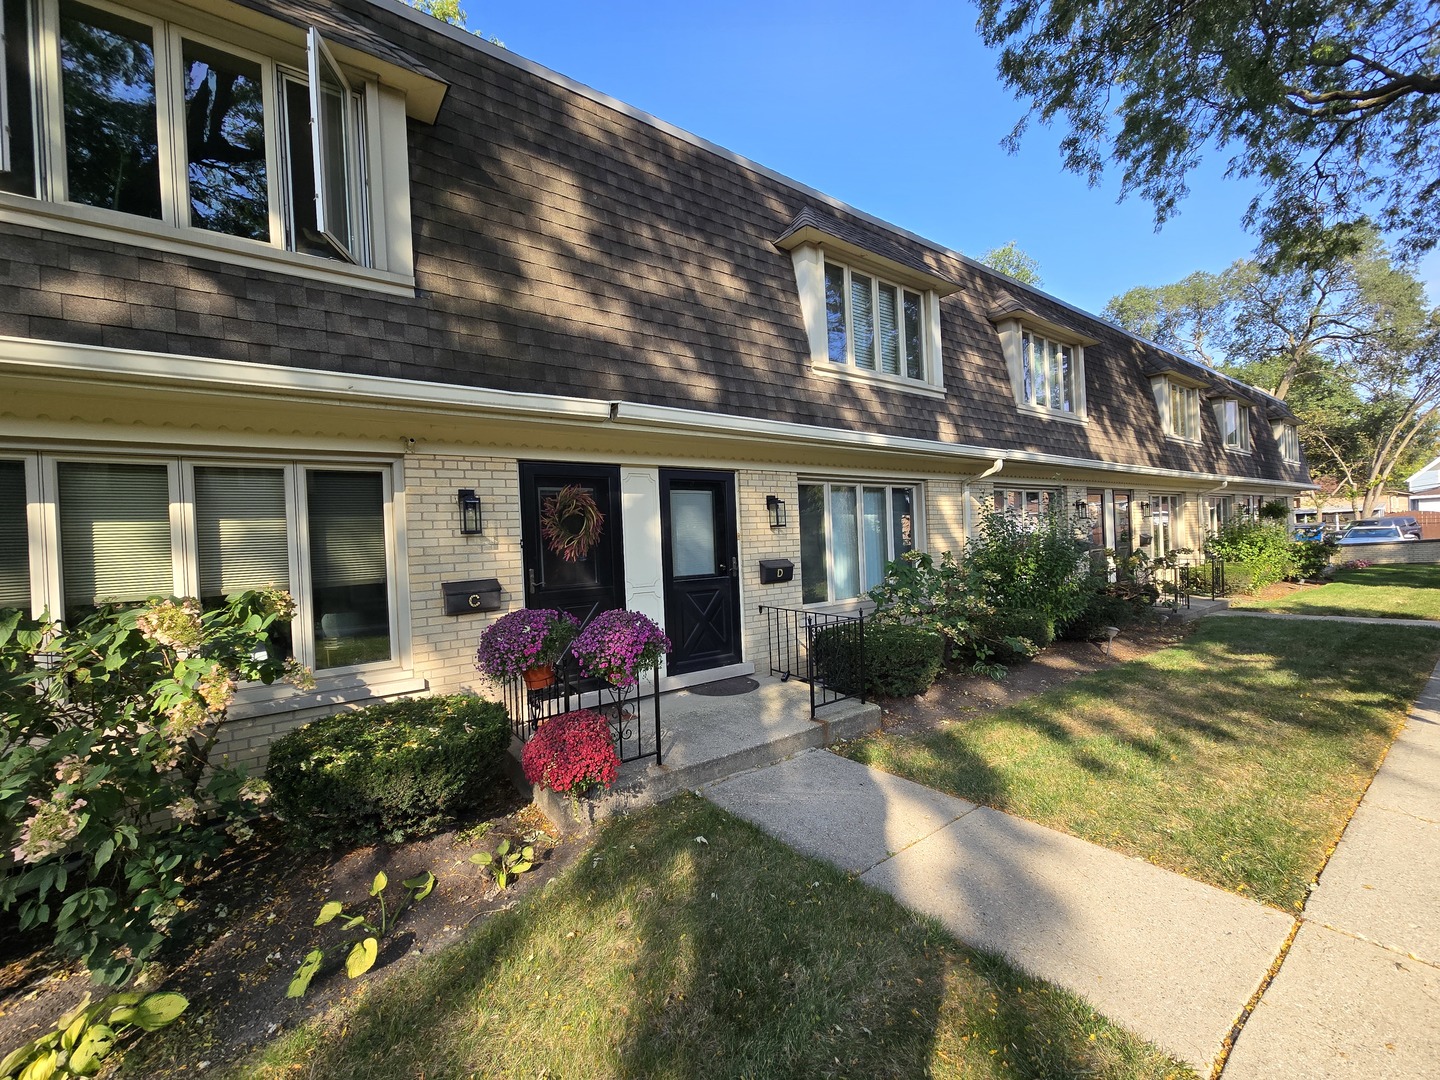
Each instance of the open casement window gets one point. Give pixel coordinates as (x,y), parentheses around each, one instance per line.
(17,127)
(1233,419)
(333,139)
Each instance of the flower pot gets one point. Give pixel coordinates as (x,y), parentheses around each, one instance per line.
(539,677)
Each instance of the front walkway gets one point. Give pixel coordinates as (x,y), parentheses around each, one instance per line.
(1426,624)
(1359,992)
(1171,959)
(1357,995)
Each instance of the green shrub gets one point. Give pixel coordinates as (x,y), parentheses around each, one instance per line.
(899,660)
(1016,637)
(390,771)
(1257,553)
(939,597)
(1023,564)
(1105,609)
(110,805)
(1312,558)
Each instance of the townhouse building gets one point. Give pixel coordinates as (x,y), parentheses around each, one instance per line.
(325,294)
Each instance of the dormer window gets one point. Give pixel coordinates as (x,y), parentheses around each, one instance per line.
(1233,419)
(873,324)
(251,140)
(868,315)
(1179,405)
(1288,439)
(1045,361)
(1049,373)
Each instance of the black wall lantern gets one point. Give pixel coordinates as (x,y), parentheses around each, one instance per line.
(1082,505)
(469,512)
(776,506)
(1144,508)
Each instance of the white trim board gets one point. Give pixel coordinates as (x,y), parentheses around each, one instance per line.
(172,372)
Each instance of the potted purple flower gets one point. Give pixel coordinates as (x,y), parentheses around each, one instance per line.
(617,645)
(526,643)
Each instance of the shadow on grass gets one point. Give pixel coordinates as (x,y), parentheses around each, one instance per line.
(664,955)
(1235,757)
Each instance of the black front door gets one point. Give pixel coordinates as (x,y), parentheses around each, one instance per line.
(588,583)
(700,553)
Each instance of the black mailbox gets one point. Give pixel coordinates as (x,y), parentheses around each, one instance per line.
(468,597)
(774,571)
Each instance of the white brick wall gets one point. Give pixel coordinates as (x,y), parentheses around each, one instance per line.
(759,541)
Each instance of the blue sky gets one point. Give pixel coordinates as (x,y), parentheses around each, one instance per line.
(894,108)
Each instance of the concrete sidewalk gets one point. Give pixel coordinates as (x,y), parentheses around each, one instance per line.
(1171,959)
(1424,624)
(1359,992)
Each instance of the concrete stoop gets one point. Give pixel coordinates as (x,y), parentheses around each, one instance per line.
(741,746)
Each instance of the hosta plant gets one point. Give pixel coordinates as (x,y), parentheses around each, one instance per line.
(364,947)
(85,1035)
(506,862)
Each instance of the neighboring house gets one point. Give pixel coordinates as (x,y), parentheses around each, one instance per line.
(233,354)
(1424,488)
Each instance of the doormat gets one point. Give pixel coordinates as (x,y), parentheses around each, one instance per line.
(726,687)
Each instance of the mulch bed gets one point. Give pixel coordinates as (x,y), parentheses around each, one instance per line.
(250,922)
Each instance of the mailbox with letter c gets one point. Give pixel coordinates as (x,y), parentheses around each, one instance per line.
(470,597)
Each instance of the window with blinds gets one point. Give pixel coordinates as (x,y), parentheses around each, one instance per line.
(848,534)
(873,325)
(348,580)
(241,535)
(114,533)
(14,538)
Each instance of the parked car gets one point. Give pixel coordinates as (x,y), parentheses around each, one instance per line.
(1310,533)
(1373,534)
(1406,523)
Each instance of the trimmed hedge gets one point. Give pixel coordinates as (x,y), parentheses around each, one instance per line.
(900,660)
(390,771)
(1031,630)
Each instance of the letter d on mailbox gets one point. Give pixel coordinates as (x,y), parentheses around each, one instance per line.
(774,571)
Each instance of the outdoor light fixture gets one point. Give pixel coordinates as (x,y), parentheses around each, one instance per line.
(1144,508)
(469,512)
(1081,505)
(776,506)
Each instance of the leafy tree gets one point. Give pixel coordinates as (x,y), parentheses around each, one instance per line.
(451,12)
(1351,347)
(1333,108)
(1013,262)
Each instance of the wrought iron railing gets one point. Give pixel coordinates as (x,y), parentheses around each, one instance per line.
(824,650)
(624,708)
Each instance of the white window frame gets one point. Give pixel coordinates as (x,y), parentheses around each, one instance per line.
(46,558)
(1165,389)
(809,261)
(874,367)
(1232,417)
(1015,331)
(1032,346)
(917,498)
(1287,438)
(1048,498)
(380,256)
(4,92)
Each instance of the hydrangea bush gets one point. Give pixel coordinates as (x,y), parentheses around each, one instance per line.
(571,753)
(523,639)
(108,796)
(617,645)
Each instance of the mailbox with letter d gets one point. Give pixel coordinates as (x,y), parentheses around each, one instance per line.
(774,571)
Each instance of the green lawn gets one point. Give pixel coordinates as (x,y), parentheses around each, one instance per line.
(1234,758)
(658,955)
(1397,592)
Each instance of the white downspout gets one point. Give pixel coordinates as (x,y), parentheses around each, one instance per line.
(966,517)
